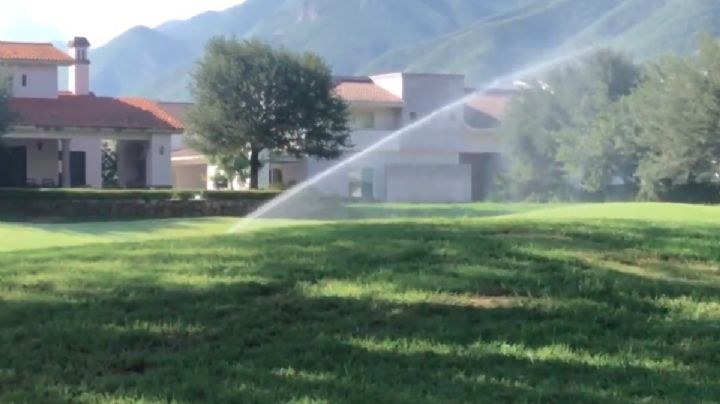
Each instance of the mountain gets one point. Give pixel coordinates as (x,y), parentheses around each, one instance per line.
(482,39)
(347,33)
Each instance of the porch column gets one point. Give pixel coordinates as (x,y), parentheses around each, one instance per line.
(65,147)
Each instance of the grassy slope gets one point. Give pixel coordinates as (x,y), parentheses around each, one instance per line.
(16,236)
(19,236)
(536,309)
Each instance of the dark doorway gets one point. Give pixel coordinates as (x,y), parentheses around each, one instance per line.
(77,169)
(13,166)
(485,167)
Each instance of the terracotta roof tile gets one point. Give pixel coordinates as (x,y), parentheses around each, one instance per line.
(92,112)
(156,110)
(33,52)
(360,91)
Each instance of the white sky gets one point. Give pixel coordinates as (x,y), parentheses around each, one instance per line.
(99,20)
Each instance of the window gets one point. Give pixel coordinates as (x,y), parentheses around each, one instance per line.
(364,120)
(24,80)
(361,184)
(413,116)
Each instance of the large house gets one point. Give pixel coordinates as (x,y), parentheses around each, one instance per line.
(57,136)
(452,157)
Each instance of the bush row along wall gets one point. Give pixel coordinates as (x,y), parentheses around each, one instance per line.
(145,195)
(108,205)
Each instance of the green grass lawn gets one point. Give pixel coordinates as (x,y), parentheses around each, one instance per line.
(586,303)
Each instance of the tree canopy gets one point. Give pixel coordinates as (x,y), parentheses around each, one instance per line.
(569,128)
(605,122)
(677,108)
(251,97)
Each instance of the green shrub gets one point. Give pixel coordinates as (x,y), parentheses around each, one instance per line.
(16,194)
(84,194)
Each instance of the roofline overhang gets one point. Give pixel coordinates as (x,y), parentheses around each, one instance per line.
(35,62)
(389,104)
(189,161)
(90,130)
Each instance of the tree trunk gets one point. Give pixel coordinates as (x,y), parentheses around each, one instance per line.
(254,168)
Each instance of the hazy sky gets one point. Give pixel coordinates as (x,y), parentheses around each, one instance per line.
(99,20)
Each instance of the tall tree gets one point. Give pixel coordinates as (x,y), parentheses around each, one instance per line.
(250,97)
(678,110)
(570,128)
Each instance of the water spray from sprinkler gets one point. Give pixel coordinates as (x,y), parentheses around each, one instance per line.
(298,189)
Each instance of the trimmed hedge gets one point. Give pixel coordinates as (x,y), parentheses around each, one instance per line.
(58,194)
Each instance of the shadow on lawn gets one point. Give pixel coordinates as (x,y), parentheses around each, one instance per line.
(601,337)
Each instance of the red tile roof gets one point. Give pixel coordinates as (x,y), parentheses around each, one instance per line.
(365,91)
(33,52)
(93,113)
(156,109)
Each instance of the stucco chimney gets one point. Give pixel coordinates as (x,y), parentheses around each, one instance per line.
(79,82)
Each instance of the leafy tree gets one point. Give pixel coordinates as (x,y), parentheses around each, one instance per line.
(252,97)
(678,110)
(573,127)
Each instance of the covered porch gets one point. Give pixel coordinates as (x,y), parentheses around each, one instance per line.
(58,142)
(50,160)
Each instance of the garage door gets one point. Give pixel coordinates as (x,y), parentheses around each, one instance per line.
(428,183)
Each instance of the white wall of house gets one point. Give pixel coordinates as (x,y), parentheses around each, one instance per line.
(292,173)
(422,93)
(383,118)
(40,81)
(428,183)
(42,159)
(338,182)
(159,165)
(190,176)
(93,159)
(178,141)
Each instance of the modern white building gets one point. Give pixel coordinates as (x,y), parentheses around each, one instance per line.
(57,136)
(452,156)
